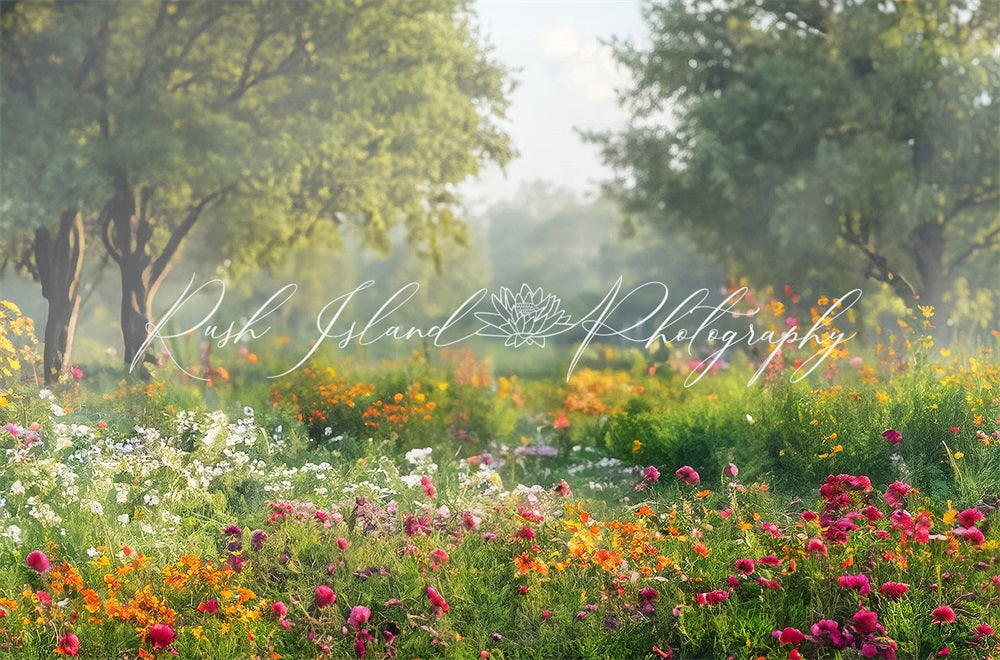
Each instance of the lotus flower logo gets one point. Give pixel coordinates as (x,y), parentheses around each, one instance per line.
(525,317)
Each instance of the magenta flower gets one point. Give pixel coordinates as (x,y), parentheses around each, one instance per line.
(342,543)
(280,609)
(688,475)
(76,372)
(359,616)
(325,596)
(38,561)
(865,621)
(428,486)
(970,517)
(161,635)
(437,601)
(943,614)
(816,546)
(651,474)
(731,470)
(791,636)
(745,566)
(984,630)
(859,582)
(892,437)
(893,590)
(895,494)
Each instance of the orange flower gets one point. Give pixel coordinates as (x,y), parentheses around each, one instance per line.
(700,548)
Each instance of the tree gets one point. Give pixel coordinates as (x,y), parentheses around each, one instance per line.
(265,124)
(829,137)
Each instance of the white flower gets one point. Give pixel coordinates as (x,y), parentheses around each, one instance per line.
(93,552)
(411,480)
(248,411)
(17,488)
(57,411)
(146,527)
(96,508)
(417,456)
(123,519)
(13,533)
(44,394)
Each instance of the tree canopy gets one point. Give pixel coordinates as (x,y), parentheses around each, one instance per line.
(822,138)
(269,124)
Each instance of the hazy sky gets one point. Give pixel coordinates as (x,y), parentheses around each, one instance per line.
(566,80)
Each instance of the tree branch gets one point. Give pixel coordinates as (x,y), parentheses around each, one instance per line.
(991,239)
(106,238)
(879,269)
(162,262)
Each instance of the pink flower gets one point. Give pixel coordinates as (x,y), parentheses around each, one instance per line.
(437,601)
(651,474)
(944,650)
(209,606)
(770,560)
(359,616)
(865,621)
(954,429)
(816,546)
(161,635)
(562,489)
(342,543)
(688,475)
(76,371)
(470,522)
(971,534)
(859,582)
(280,609)
(711,597)
(428,487)
(731,470)
(895,494)
(560,422)
(745,566)
(892,437)
(984,630)
(943,614)
(791,636)
(969,517)
(38,561)
(893,590)
(325,596)
(69,644)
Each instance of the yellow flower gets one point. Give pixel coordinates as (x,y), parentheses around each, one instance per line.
(958,455)
(636,446)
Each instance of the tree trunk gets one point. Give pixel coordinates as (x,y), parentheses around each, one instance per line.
(59,263)
(927,243)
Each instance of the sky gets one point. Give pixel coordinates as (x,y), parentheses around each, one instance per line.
(566,80)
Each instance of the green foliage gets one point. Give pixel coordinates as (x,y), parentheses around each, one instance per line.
(831,138)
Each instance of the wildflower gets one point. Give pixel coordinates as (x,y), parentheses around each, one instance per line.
(816,546)
(44,598)
(545,615)
(280,609)
(970,517)
(892,437)
(688,475)
(438,603)
(984,630)
(646,598)
(257,539)
(791,636)
(470,522)
(611,623)
(770,560)
(865,621)
(497,637)
(859,582)
(651,474)
(425,481)
(580,616)
(161,635)
(944,650)
(235,562)
(971,534)
(560,422)
(745,566)
(209,606)
(325,596)
(711,597)
(943,614)
(562,489)
(359,616)
(233,530)
(893,590)
(38,561)
(731,470)
(895,494)
(77,374)
(69,644)
(342,543)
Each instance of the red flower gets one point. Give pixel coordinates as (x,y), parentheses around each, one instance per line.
(428,487)
(893,590)
(325,596)
(984,630)
(560,422)
(209,606)
(943,614)
(688,475)
(745,566)
(791,636)
(859,582)
(38,561)
(816,546)
(895,494)
(892,437)
(69,644)
(161,635)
